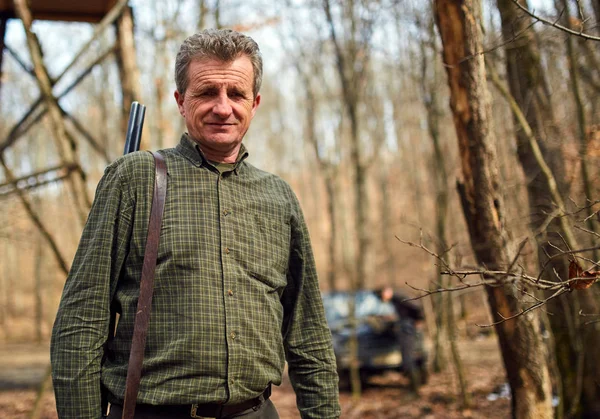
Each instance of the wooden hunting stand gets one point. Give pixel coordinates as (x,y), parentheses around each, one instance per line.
(67,137)
(104,13)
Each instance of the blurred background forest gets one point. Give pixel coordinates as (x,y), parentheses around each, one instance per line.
(355,116)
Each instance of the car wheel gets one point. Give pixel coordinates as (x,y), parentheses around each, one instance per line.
(364,379)
(423,372)
(344,384)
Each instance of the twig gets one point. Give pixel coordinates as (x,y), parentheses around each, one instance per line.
(499,278)
(537,153)
(521,246)
(435,255)
(556,25)
(582,314)
(561,254)
(526,310)
(587,231)
(427,293)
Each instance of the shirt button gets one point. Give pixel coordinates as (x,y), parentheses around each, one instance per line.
(225,212)
(227,250)
(232,335)
(230,292)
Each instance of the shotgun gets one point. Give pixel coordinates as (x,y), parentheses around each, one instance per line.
(132,143)
(134,128)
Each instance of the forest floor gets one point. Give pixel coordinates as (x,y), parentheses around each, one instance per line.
(387,397)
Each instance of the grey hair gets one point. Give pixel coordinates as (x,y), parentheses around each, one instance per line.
(221,44)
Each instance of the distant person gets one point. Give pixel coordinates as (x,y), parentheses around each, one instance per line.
(408,313)
(235,290)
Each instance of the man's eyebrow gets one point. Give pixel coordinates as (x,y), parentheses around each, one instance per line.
(206,88)
(236,89)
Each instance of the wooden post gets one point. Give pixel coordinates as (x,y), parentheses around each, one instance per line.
(3,20)
(64,146)
(128,69)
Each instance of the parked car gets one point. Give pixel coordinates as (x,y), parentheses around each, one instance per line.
(377,323)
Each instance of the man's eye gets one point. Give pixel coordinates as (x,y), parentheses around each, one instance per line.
(205,93)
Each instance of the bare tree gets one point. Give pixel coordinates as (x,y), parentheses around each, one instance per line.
(528,86)
(520,338)
(352,58)
(445,301)
(328,169)
(126,60)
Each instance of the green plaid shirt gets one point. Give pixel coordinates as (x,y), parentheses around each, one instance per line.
(235,291)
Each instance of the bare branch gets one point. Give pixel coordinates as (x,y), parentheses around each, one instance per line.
(587,231)
(499,278)
(432,253)
(582,314)
(439,290)
(556,25)
(526,310)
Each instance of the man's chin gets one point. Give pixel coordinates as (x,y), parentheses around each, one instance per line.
(218,142)
(222,141)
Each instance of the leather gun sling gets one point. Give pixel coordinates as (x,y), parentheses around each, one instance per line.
(142,317)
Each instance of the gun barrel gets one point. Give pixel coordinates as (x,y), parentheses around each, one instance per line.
(134,128)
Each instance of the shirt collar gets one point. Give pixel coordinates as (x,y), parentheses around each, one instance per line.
(190,150)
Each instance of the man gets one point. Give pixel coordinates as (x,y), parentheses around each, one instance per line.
(235,289)
(408,314)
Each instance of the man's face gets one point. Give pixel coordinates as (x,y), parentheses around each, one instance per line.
(387,294)
(218,104)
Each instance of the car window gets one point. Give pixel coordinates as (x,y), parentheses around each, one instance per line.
(367,304)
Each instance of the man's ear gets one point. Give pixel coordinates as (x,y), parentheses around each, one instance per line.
(255,104)
(179,99)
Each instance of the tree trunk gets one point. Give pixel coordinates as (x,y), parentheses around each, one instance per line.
(527,86)
(202,14)
(432,107)
(596,7)
(9,274)
(218,14)
(584,343)
(326,169)
(126,61)
(520,339)
(351,63)
(465,396)
(445,301)
(38,292)
(581,125)
(45,385)
(587,336)
(3,21)
(333,235)
(387,270)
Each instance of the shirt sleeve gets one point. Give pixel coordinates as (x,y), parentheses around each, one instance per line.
(81,327)
(307,338)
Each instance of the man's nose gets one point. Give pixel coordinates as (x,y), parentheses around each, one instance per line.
(222,107)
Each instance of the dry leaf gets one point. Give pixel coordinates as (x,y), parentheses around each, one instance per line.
(586,278)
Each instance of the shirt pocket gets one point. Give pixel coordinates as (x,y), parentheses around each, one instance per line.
(273,236)
(264,246)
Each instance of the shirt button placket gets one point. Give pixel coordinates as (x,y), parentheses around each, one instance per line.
(228,286)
